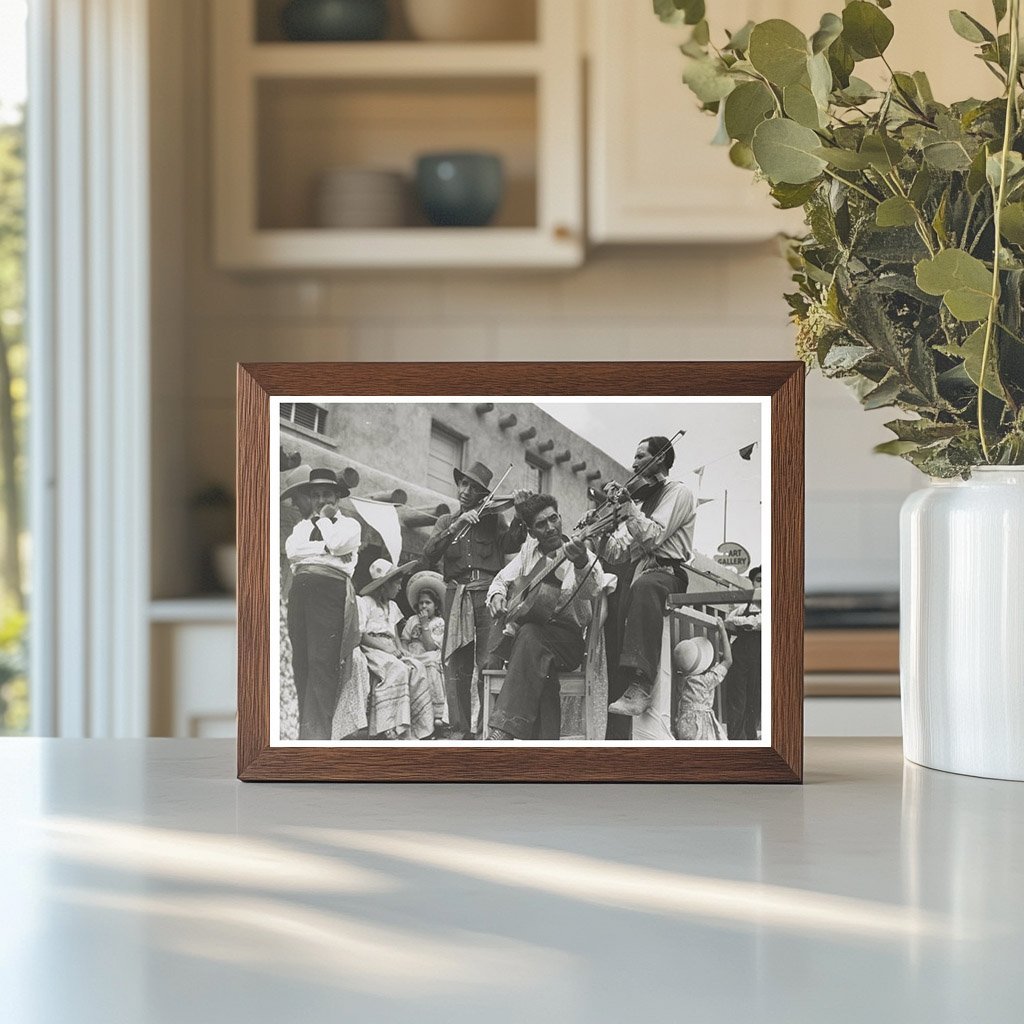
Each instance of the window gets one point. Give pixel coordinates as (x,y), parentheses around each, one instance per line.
(14,547)
(305,414)
(538,475)
(446,451)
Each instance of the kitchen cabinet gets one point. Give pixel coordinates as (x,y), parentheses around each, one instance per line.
(653,175)
(286,113)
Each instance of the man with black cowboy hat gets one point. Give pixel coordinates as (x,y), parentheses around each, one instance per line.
(472,550)
(322,551)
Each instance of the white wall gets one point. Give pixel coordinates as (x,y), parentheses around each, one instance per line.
(721,302)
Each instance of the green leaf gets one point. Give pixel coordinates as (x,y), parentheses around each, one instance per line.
(1011,226)
(707,80)
(701,33)
(921,186)
(968,28)
(963,281)
(841,60)
(999,7)
(946,156)
(739,41)
(844,159)
(971,352)
(896,212)
(745,108)
(883,153)
(1014,169)
(820,75)
(800,105)
(885,394)
(976,174)
(866,29)
(742,155)
(778,50)
(923,431)
(830,29)
(676,12)
(789,197)
(895,447)
(785,152)
(924,88)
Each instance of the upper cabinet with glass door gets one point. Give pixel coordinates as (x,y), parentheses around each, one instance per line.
(450,134)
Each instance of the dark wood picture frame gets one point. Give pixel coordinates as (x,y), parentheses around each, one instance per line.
(782,761)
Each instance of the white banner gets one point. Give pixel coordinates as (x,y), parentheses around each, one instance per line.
(384,519)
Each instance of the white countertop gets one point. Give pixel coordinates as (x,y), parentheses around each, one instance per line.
(143,884)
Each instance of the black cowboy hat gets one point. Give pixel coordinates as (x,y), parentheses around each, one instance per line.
(478,473)
(320,477)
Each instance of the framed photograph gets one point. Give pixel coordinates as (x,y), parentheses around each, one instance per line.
(561,572)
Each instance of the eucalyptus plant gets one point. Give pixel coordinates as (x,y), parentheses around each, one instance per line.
(909,279)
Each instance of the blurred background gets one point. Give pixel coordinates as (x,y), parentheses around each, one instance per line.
(250,180)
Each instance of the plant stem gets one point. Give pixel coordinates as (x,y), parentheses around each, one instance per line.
(855,187)
(922,225)
(993,308)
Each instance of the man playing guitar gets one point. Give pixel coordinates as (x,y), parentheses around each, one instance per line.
(550,635)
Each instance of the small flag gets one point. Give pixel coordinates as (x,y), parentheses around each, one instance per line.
(384,519)
(745,453)
(703,501)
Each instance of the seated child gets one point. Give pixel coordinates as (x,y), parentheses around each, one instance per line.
(694,658)
(400,701)
(423,636)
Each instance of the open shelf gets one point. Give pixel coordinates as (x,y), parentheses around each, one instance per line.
(393,60)
(308,127)
(287,113)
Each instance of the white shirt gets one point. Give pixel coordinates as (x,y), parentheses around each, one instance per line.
(337,551)
(580,610)
(666,533)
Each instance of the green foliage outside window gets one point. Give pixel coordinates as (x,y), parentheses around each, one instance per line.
(13,414)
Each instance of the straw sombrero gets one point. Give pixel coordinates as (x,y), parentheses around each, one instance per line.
(693,656)
(429,581)
(381,571)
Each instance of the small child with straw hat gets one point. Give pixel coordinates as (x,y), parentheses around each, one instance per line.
(694,659)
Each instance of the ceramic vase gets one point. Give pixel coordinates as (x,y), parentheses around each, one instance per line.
(334,20)
(962,624)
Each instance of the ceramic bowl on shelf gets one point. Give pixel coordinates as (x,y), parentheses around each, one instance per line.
(470,20)
(331,21)
(361,198)
(225,566)
(460,189)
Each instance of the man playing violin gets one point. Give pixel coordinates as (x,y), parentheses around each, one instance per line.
(529,705)
(655,540)
(471,546)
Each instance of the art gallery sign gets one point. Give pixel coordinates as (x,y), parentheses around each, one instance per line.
(733,556)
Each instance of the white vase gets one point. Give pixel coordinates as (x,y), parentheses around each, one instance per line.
(962,624)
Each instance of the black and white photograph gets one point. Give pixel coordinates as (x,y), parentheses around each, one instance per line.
(554,570)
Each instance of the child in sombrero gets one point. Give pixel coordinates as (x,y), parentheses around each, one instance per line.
(694,659)
(400,702)
(423,636)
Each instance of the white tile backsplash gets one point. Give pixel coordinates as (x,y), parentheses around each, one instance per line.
(715,303)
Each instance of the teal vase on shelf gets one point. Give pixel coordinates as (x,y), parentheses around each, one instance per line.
(329,21)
